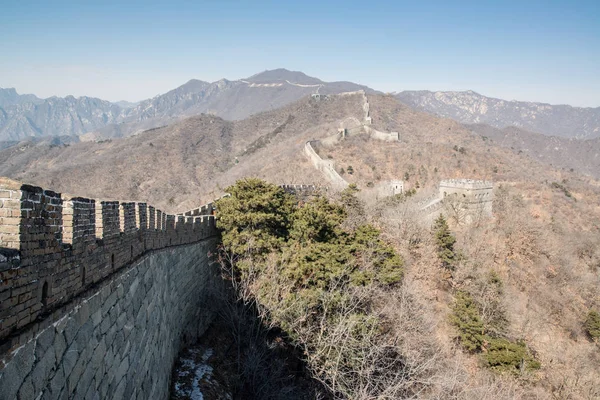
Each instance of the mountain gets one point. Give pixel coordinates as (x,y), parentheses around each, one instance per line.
(582,156)
(126,104)
(472,108)
(231,100)
(534,264)
(173,166)
(9,97)
(56,116)
(282,75)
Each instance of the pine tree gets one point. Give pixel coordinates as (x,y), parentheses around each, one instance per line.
(445,241)
(255,217)
(465,317)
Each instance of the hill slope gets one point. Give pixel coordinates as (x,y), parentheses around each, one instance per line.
(174,166)
(580,155)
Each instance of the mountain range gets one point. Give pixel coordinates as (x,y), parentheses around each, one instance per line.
(473,108)
(27,116)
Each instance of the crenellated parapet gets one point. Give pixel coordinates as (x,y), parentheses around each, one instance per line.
(468,191)
(295,189)
(53,246)
(466,184)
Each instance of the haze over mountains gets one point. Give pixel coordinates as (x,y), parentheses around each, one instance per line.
(27,116)
(472,108)
(582,156)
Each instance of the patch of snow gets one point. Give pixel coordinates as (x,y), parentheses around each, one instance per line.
(198,369)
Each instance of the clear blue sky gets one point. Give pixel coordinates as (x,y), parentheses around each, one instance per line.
(532,50)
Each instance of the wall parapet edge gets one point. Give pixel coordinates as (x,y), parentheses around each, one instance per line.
(53,247)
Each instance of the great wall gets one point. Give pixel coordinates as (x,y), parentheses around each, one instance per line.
(468,199)
(327,167)
(97,297)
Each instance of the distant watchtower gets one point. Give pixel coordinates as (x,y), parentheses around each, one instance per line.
(475,197)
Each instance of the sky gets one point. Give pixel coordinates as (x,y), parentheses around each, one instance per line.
(546,51)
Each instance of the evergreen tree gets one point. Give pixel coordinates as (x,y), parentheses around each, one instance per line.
(445,241)
(255,218)
(317,221)
(465,317)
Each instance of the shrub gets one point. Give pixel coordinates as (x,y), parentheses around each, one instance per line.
(506,356)
(499,354)
(311,271)
(377,259)
(562,188)
(592,325)
(317,221)
(312,274)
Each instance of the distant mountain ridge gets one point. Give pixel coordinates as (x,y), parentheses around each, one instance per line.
(232,100)
(473,108)
(9,97)
(570,154)
(27,116)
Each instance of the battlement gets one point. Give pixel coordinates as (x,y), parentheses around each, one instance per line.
(294,189)
(53,246)
(466,184)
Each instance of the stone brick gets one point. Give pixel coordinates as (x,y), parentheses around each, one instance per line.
(98,344)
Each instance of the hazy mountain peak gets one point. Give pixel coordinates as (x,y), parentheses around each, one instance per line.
(9,97)
(9,91)
(282,75)
(193,85)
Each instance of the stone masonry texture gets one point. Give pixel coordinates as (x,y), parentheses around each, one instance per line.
(121,341)
(97,296)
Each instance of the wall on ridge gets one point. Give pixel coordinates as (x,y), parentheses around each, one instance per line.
(379,135)
(327,167)
(119,340)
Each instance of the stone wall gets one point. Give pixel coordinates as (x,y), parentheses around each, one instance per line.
(379,135)
(327,167)
(120,339)
(53,247)
(79,276)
